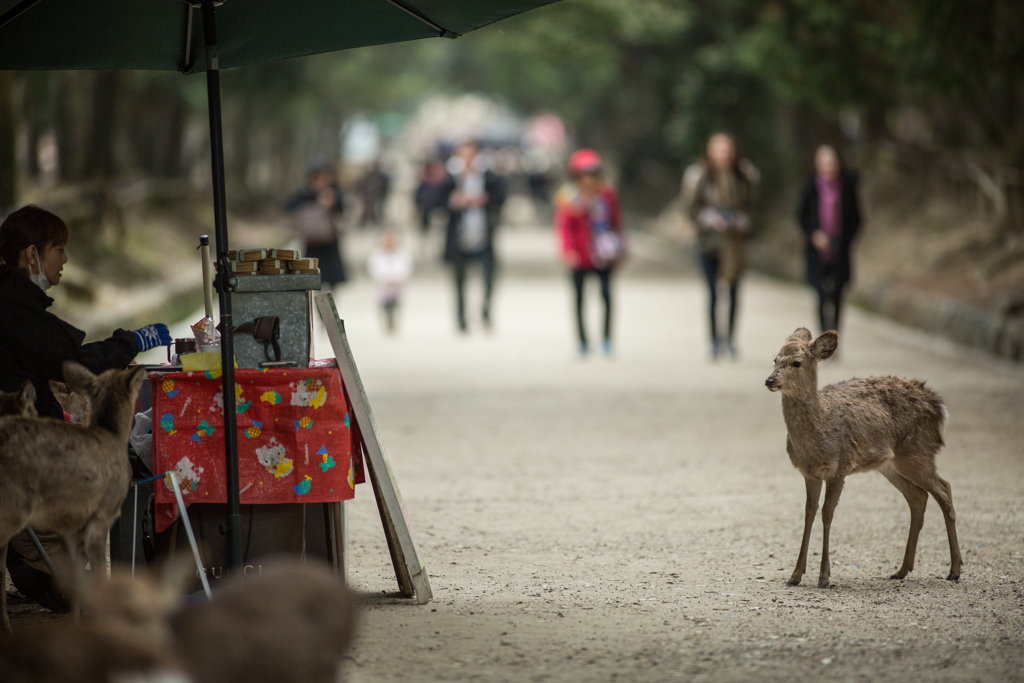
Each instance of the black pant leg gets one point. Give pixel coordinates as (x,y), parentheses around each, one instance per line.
(460,288)
(606,294)
(487,265)
(837,302)
(828,293)
(734,295)
(578,281)
(709,262)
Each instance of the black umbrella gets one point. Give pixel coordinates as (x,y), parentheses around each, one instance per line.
(165,34)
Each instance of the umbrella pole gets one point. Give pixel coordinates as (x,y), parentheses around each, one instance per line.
(225,284)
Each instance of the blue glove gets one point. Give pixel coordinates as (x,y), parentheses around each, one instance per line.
(152,336)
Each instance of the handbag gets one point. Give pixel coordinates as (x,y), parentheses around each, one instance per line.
(608,247)
(313,222)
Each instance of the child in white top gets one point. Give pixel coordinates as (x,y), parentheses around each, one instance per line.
(390,266)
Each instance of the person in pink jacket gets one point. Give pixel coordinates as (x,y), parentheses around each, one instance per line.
(590,233)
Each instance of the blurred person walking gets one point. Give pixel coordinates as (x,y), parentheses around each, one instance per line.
(589,227)
(432,178)
(315,211)
(829,215)
(373,191)
(390,266)
(474,195)
(718,195)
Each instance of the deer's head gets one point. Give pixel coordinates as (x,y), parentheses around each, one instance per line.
(796,365)
(143,603)
(112,394)
(21,402)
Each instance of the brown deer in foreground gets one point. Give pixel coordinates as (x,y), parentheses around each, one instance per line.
(65,478)
(889,424)
(124,635)
(290,622)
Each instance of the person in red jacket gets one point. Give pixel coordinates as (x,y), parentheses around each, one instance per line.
(590,232)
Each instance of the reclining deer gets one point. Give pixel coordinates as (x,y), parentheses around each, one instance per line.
(889,424)
(65,478)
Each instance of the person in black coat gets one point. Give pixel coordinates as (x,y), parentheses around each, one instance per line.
(474,196)
(316,209)
(34,344)
(829,215)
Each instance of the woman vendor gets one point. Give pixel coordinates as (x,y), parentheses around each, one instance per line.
(34,344)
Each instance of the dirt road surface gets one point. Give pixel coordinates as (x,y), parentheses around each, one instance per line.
(635,518)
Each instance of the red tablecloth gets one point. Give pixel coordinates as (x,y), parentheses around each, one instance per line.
(295,438)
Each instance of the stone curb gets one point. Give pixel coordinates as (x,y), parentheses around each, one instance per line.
(993,331)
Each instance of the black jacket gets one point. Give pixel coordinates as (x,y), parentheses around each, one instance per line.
(495,189)
(849,211)
(35,343)
(308,194)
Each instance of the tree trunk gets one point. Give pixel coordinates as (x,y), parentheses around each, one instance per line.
(35,117)
(8,158)
(100,162)
(71,121)
(238,164)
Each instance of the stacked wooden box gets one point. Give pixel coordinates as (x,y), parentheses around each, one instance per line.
(271,262)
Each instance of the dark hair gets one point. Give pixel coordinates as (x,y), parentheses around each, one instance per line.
(28,226)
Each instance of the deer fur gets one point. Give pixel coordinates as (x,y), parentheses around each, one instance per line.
(889,424)
(290,622)
(69,479)
(21,402)
(85,653)
(124,635)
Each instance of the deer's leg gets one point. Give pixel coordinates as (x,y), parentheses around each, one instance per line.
(75,578)
(943,495)
(810,511)
(3,586)
(917,499)
(94,543)
(833,489)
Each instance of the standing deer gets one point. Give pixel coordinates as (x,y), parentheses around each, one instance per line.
(889,424)
(65,478)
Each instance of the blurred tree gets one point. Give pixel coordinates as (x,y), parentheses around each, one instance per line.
(37,116)
(99,157)
(157,114)
(8,160)
(644,81)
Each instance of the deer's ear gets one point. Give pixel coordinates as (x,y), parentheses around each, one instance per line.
(79,378)
(135,376)
(801,334)
(28,399)
(825,345)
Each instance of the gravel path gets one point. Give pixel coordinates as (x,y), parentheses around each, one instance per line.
(635,518)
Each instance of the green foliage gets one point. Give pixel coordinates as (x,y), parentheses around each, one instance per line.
(644,81)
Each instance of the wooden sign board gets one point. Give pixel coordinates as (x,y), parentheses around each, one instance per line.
(409,568)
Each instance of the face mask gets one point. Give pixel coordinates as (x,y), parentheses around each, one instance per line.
(39,279)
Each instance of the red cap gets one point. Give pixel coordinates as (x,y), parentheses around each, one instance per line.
(584,161)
